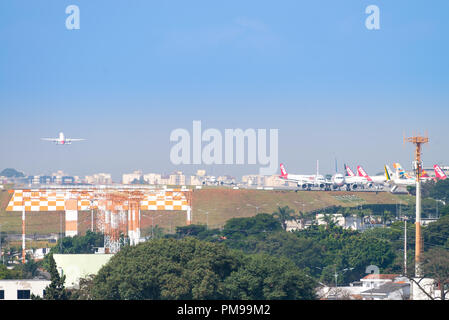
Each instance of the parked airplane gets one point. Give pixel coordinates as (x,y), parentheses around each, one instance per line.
(401,171)
(439,173)
(377,180)
(62,139)
(354,182)
(304,181)
(396,181)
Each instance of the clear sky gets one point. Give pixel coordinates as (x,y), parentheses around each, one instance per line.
(136,70)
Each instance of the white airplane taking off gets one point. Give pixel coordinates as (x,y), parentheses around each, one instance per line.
(62,139)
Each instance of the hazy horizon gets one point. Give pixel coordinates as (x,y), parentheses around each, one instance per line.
(134,72)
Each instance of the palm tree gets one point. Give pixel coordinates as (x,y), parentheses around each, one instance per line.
(345,213)
(386,215)
(329,220)
(302,217)
(284,214)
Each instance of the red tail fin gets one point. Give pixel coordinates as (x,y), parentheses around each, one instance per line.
(349,171)
(363,173)
(439,173)
(283,172)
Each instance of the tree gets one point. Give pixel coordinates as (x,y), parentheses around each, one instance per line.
(192,269)
(435,265)
(84,292)
(263,277)
(11,173)
(55,290)
(329,220)
(284,214)
(240,228)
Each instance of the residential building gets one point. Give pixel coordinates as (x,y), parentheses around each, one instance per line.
(253,180)
(388,291)
(152,178)
(22,289)
(371,287)
(195,181)
(424,289)
(76,266)
(274,181)
(177,178)
(99,178)
(128,178)
(351,222)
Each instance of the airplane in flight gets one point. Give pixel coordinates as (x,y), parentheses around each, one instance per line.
(62,139)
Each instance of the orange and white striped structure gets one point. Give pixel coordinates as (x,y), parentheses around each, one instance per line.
(118,209)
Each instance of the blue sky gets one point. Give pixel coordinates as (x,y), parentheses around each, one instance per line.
(136,70)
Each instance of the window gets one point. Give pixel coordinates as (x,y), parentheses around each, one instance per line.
(23,294)
(2,294)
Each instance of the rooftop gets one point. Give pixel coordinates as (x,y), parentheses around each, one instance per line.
(381,276)
(386,288)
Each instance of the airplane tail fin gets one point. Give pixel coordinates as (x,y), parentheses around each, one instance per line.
(362,173)
(387,174)
(401,171)
(349,171)
(283,172)
(424,174)
(439,173)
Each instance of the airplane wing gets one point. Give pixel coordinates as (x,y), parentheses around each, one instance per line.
(50,139)
(72,140)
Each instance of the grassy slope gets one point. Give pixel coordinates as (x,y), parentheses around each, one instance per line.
(221,203)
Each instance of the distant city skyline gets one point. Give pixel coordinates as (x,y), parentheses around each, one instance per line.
(134,72)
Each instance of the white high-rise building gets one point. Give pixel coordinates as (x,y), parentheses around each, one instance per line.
(177,178)
(128,178)
(99,178)
(152,178)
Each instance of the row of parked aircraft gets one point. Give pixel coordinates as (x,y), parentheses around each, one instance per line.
(362,180)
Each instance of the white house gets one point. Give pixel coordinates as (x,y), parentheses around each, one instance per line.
(388,291)
(22,289)
(371,287)
(373,281)
(422,286)
(351,222)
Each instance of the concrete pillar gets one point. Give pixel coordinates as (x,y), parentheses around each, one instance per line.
(71,217)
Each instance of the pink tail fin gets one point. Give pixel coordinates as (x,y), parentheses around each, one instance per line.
(283,171)
(362,173)
(349,171)
(439,173)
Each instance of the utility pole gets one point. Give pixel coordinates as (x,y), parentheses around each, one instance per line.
(23,234)
(91,219)
(418,141)
(336,276)
(405,246)
(1,254)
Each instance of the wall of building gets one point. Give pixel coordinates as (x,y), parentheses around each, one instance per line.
(9,288)
(76,266)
